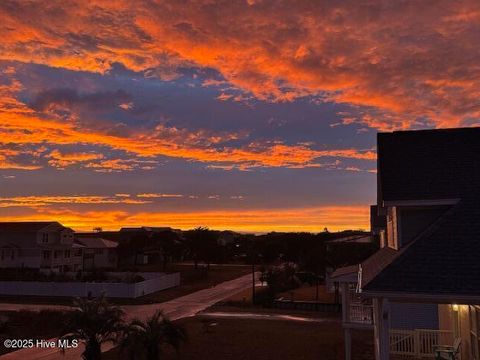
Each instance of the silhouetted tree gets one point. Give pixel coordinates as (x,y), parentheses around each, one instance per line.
(95,322)
(202,244)
(145,339)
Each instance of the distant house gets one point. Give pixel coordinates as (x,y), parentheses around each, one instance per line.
(420,292)
(39,245)
(143,244)
(98,253)
(226,238)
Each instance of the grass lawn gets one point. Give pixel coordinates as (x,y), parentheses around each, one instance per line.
(194,280)
(45,324)
(303,293)
(250,339)
(191,280)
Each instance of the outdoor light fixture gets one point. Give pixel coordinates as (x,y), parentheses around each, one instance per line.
(454,307)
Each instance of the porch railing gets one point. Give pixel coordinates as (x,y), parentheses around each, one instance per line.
(361,314)
(418,342)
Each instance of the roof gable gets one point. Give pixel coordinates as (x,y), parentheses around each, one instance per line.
(441,261)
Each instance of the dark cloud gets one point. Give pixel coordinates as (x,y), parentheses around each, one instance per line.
(71,99)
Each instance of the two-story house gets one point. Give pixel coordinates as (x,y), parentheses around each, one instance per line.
(39,245)
(420,293)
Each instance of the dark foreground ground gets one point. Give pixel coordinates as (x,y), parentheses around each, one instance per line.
(251,339)
(24,324)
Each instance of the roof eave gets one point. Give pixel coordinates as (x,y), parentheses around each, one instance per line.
(423,297)
(419,202)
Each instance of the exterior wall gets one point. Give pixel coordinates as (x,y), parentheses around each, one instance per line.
(63,259)
(469,331)
(154,282)
(100,258)
(30,258)
(410,316)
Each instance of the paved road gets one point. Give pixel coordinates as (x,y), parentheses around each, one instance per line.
(284,317)
(181,307)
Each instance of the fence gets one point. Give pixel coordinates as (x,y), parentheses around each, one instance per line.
(153,282)
(418,342)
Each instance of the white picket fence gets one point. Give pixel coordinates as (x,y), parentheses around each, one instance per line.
(153,282)
(418,343)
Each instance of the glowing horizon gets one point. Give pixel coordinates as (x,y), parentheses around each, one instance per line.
(252,221)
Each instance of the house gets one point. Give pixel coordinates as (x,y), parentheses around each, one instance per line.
(420,293)
(98,253)
(38,245)
(145,244)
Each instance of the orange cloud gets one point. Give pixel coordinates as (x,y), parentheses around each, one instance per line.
(45,200)
(59,159)
(261,220)
(156,196)
(407,61)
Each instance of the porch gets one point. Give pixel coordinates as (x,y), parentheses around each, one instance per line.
(453,336)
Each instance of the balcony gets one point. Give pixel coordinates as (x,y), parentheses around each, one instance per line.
(360,314)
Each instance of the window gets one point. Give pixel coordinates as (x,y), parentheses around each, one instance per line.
(67,254)
(46,254)
(78,252)
(44,237)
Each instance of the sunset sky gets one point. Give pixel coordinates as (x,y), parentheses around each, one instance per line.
(248,115)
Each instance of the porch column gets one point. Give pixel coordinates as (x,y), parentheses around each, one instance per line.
(345,303)
(348,343)
(381,321)
(346,319)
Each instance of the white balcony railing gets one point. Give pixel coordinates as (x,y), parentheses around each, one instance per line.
(361,314)
(418,342)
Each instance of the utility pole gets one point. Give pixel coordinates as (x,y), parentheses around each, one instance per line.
(252,254)
(253,281)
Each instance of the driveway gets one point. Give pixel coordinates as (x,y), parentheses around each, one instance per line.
(181,307)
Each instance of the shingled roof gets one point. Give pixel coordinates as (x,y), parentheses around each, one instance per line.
(96,243)
(442,261)
(428,164)
(26,226)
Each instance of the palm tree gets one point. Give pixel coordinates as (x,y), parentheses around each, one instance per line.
(145,340)
(95,321)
